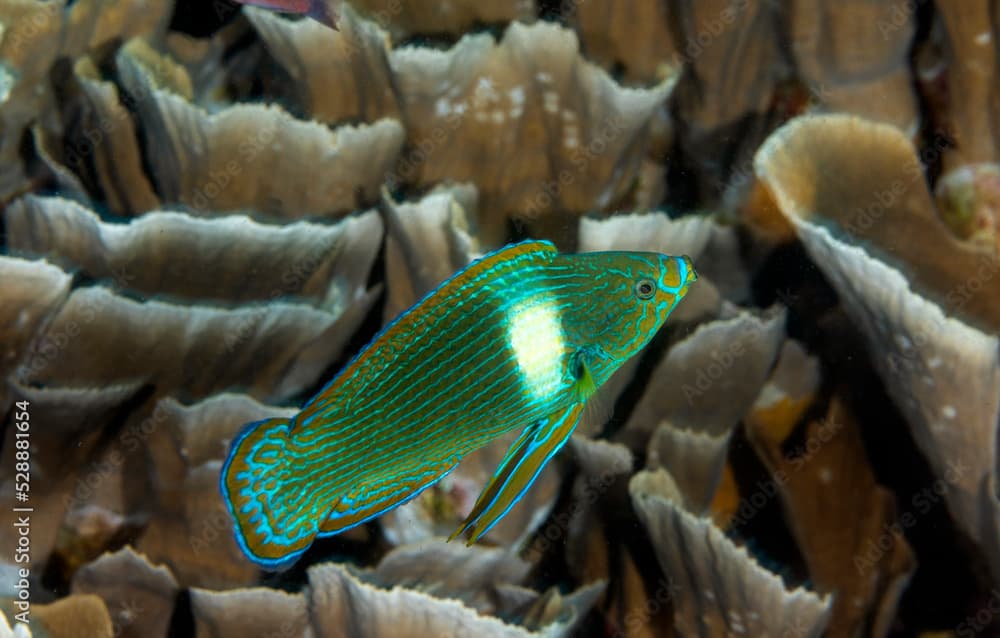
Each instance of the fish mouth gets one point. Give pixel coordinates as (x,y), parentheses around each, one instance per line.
(689,276)
(676,274)
(692,274)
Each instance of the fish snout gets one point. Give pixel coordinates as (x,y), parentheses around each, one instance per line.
(692,274)
(676,274)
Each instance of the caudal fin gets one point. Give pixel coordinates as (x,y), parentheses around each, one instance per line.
(273,525)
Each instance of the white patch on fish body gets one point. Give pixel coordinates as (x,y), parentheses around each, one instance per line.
(536,338)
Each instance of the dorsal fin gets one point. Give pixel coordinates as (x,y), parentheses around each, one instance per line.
(510,256)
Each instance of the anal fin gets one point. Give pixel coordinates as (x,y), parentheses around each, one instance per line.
(375,498)
(518,470)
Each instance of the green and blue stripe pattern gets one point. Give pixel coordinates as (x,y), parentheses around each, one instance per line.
(518,339)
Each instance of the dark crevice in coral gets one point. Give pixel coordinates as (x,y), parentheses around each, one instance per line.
(182,621)
(336,549)
(42,181)
(554,10)
(681,182)
(130,103)
(790,278)
(201,18)
(759,522)
(254,76)
(933,139)
(651,355)
(441,41)
(551,568)
(621,522)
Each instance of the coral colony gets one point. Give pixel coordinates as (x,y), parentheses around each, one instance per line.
(295,292)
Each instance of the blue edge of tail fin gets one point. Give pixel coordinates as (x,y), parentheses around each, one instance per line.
(283,563)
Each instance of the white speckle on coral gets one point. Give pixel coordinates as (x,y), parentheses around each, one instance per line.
(498,117)
(736,622)
(550,101)
(949,412)
(460,108)
(484,84)
(983,38)
(934,362)
(825,475)
(928,380)
(516,112)
(485,91)
(7,81)
(516,95)
(442,107)
(543,77)
(904,343)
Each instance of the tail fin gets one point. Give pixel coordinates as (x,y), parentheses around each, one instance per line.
(272,530)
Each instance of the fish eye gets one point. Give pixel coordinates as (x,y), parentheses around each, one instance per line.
(644,288)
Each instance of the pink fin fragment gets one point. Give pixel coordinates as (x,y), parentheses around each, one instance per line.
(324,11)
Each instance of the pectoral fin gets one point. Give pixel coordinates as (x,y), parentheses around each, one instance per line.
(518,470)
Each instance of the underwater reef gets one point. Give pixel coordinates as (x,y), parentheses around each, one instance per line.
(209,208)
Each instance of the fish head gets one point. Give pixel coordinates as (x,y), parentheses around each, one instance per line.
(658,283)
(630,298)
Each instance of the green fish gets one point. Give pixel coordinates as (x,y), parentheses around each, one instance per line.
(518,339)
